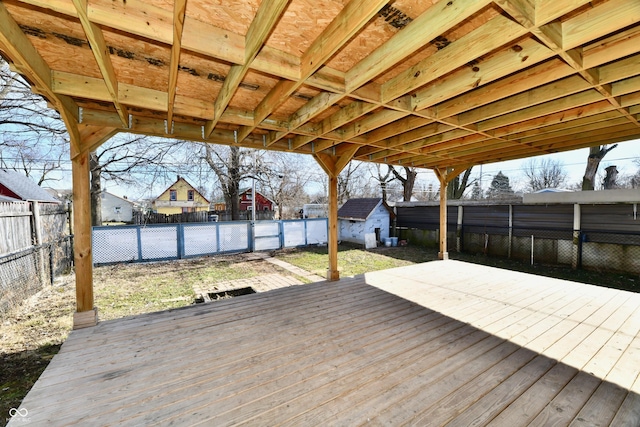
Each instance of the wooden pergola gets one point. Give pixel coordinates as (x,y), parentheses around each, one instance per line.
(442,84)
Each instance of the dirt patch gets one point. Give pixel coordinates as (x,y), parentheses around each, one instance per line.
(30,336)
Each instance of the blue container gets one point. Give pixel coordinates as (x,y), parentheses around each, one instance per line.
(394,241)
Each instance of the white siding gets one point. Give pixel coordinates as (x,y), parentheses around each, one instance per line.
(116,209)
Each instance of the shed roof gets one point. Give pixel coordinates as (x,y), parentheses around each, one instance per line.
(359,209)
(434,84)
(23,187)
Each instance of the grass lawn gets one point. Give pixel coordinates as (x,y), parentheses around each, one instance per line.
(353,260)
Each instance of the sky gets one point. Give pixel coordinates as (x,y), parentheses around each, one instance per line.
(574,163)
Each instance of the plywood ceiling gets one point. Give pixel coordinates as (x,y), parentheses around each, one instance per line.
(423,83)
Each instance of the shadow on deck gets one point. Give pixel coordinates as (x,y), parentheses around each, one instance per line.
(438,343)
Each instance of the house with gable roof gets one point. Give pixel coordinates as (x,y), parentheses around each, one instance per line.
(180,197)
(358,217)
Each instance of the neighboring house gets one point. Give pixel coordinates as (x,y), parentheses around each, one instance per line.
(15,186)
(117,209)
(263,203)
(358,217)
(180,197)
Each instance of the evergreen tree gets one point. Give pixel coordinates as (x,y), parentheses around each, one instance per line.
(476,191)
(500,187)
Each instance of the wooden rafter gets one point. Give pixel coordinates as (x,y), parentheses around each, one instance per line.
(179,10)
(457,79)
(103,59)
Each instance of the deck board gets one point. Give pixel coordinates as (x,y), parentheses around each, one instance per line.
(440,343)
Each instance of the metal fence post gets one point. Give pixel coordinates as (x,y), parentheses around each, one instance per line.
(51,266)
(576,259)
(281,233)
(139,237)
(180,238)
(218,237)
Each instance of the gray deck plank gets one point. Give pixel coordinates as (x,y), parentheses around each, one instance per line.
(434,343)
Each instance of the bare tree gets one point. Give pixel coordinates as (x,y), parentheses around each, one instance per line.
(350,182)
(283,177)
(596,154)
(231,166)
(33,138)
(610,180)
(457,186)
(128,159)
(544,173)
(408,181)
(382,179)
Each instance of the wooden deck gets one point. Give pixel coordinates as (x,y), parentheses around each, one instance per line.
(440,343)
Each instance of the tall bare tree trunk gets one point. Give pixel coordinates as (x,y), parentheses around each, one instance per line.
(596,154)
(408,182)
(234,183)
(610,181)
(457,186)
(96,190)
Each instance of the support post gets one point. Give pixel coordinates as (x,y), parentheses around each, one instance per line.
(333,165)
(85,314)
(332,272)
(443,254)
(445,176)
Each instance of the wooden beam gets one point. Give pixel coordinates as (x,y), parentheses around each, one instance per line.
(94,136)
(505,62)
(432,23)
(265,20)
(179,10)
(15,44)
(486,38)
(554,90)
(355,15)
(542,109)
(599,21)
(101,54)
(538,75)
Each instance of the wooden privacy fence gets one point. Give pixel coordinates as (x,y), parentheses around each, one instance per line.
(35,247)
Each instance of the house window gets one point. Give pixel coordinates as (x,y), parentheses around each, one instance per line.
(190,195)
(173,195)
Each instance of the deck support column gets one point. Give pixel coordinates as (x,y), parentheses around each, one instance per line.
(86,314)
(333,164)
(84,139)
(445,176)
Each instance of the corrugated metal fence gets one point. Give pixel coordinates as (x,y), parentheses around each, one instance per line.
(135,243)
(607,236)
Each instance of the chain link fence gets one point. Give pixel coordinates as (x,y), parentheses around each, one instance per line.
(133,243)
(598,250)
(26,272)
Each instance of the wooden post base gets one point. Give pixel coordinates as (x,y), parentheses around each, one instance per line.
(443,255)
(85,319)
(333,275)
